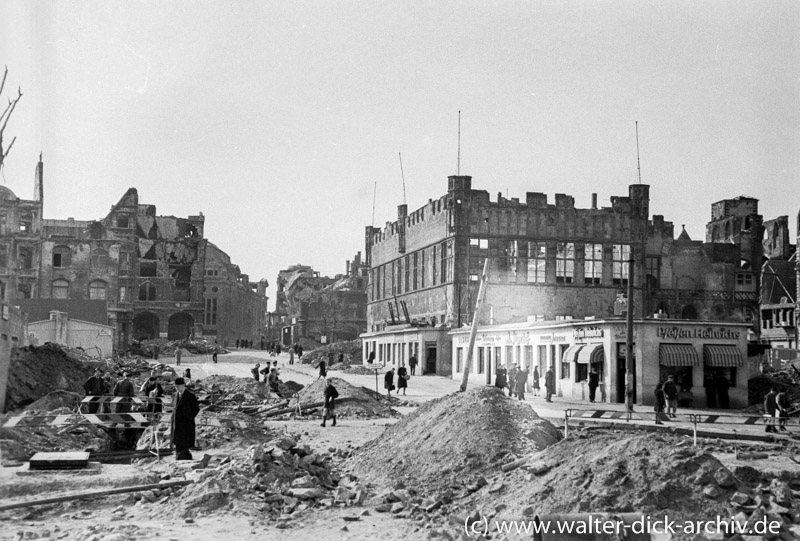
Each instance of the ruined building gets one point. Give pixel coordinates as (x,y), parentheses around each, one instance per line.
(320,308)
(150,271)
(779,282)
(548,261)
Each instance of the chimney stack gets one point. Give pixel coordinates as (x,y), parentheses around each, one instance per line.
(594,201)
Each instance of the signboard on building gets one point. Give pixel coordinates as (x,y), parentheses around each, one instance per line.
(587,333)
(677,333)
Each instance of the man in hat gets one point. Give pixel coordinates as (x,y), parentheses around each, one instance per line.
(671,394)
(183,427)
(95,386)
(124,388)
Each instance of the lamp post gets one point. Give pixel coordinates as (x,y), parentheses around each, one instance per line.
(629,366)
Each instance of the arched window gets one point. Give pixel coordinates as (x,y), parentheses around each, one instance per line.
(60,289)
(98,290)
(147,292)
(62,256)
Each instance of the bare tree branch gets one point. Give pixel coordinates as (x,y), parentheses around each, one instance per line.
(6,116)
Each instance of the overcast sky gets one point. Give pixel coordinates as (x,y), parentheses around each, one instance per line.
(276,119)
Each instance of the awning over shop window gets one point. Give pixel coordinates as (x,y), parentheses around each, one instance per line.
(571,354)
(677,355)
(592,353)
(719,356)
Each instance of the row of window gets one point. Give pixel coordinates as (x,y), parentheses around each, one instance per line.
(427,267)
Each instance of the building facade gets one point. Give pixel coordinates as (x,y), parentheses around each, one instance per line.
(696,353)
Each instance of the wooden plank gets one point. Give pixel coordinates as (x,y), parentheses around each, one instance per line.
(59,461)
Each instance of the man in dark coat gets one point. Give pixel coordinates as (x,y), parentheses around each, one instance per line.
(323,372)
(124,388)
(500,378)
(549,384)
(594,382)
(771,409)
(95,386)
(331,394)
(521,378)
(412,364)
(402,379)
(255,371)
(710,386)
(388,382)
(671,392)
(722,385)
(183,428)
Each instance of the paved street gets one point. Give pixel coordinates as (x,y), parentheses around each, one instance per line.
(424,388)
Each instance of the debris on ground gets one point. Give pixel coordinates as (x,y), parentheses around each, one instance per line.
(21,442)
(455,439)
(335,355)
(353,402)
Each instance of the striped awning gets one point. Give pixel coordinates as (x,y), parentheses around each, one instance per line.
(719,356)
(593,353)
(571,354)
(677,355)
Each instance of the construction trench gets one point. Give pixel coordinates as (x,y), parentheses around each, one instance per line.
(455,467)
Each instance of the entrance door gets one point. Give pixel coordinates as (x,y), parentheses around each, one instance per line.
(430,358)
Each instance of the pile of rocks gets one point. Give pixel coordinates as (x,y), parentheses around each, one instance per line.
(775,501)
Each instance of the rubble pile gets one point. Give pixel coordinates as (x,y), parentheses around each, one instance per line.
(36,371)
(352,402)
(55,400)
(456,439)
(279,479)
(167,348)
(350,353)
(365,369)
(206,435)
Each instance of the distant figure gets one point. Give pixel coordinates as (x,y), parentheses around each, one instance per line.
(299,353)
(710,386)
(215,352)
(412,363)
(329,411)
(291,355)
(124,388)
(95,386)
(254,371)
(178,355)
(512,380)
(722,385)
(521,378)
(500,378)
(671,392)
(402,378)
(771,409)
(277,349)
(323,372)
(183,429)
(155,352)
(388,382)
(661,403)
(187,373)
(550,384)
(272,378)
(594,382)
(371,360)
(535,381)
(782,405)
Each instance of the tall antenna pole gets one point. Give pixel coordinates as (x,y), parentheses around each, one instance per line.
(374,191)
(638,164)
(458,161)
(403,177)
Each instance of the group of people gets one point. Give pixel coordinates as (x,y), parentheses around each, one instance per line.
(515,379)
(402,379)
(716,387)
(776,407)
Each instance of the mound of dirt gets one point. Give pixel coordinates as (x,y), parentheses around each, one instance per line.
(352,402)
(241,389)
(36,371)
(56,399)
(24,442)
(454,439)
(609,472)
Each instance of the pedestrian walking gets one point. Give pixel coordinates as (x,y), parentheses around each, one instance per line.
(661,404)
(549,384)
(671,392)
(95,386)
(178,355)
(183,428)
(402,379)
(535,381)
(215,352)
(255,371)
(291,355)
(329,411)
(412,363)
(323,372)
(388,382)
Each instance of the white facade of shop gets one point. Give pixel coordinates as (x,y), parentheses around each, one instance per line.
(688,349)
(395,346)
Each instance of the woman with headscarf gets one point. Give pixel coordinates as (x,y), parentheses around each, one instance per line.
(388,382)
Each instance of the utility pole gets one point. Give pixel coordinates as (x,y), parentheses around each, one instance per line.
(474,328)
(629,366)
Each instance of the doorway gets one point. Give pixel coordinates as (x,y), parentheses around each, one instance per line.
(621,370)
(430,358)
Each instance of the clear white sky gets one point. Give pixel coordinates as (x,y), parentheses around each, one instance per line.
(275,119)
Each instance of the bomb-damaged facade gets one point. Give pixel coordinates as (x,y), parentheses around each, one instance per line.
(149,269)
(547,262)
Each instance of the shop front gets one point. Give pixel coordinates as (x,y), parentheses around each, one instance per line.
(708,360)
(397,345)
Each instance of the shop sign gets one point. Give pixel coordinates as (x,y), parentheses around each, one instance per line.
(707,333)
(584,333)
(552,338)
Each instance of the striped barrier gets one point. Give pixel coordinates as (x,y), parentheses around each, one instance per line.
(692,418)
